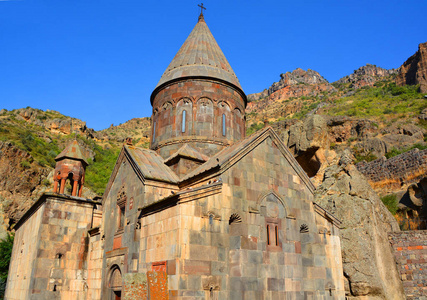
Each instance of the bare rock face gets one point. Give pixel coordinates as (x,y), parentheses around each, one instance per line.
(138,128)
(414,70)
(257,96)
(54,121)
(368,261)
(366,76)
(294,84)
(298,76)
(21,182)
(307,140)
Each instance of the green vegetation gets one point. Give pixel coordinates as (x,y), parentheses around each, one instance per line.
(385,98)
(43,151)
(390,201)
(6,245)
(99,170)
(360,156)
(395,152)
(254,128)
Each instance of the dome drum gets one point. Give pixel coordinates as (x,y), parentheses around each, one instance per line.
(201,111)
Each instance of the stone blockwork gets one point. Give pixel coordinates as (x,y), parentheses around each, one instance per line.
(56,263)
(410,251)
(393,173)
(245,231)
(205,114)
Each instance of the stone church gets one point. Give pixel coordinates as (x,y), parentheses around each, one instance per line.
(205,213)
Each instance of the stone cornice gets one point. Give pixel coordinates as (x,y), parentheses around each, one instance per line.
(53,196)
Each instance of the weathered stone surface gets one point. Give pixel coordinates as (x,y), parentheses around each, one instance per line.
(410,251)
(369,266)
(414,70)
(366,76)
(396,173)
(63,125)
(298,76)
(20,182)
(291,85)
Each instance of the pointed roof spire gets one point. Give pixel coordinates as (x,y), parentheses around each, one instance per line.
(72,151)
(199,57)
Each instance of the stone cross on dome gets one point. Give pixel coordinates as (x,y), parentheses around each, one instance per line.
(201,18)
(201,8)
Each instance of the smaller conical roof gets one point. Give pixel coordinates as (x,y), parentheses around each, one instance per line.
(199,56)
(72,151)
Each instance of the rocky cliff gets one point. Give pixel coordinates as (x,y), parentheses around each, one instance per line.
(368,262)
(366,76)
(414,70)
(31,138)
(295,84)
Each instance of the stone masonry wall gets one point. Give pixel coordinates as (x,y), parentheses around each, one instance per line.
(207,104)
(390,173)
(23,257)
(410,250)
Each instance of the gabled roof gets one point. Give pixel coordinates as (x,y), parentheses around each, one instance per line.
(72,151)
(199,56)
(146,163)
(188,152)
(151,164)
(229,155)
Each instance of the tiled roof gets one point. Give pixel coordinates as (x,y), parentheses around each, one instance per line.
(226,154)
(189,152)
(151,164)
(72,151)
(200,56)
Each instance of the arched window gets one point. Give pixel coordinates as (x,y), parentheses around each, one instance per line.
(224,129)
(274,214)
(154,132)
(183,121)
(115,283)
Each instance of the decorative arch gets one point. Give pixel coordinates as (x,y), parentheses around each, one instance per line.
(115,282)
(264,197)
(274,210)
(224,121)
(204,117)
(162,122)
(238,130)
(121,208)
(183,116)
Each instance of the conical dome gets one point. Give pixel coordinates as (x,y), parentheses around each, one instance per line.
(72,151)
(198,100)
(199,56)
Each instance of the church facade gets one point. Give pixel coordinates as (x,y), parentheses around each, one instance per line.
(205,213)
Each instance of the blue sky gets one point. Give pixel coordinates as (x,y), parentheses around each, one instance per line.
(99,60)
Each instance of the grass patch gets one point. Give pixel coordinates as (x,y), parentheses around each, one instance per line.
(390,201)
(26,139)
(99,170)
(383,99)
(394,152)
(254,128)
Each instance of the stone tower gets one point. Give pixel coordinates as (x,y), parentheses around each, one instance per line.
(198,100)
(70,165)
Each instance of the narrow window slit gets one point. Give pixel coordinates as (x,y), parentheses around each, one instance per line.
(223,125)
(277,235)
(183,121)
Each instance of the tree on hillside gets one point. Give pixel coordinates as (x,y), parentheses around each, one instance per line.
(6,246)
